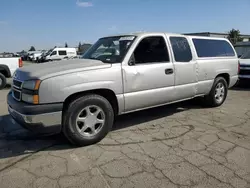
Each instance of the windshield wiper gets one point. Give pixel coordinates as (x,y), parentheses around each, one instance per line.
(104,61)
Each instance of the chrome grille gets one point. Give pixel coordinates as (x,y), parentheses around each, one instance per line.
(16,89)
(244,72)
(17,84)
(16,94)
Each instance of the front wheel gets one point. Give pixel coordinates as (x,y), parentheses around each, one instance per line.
(218,93)
(2,81)
(88,120)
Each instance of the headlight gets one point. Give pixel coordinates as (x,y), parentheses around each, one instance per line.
(30,91)
(31,84)
(33,99)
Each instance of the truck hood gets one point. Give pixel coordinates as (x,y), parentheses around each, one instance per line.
(51,69)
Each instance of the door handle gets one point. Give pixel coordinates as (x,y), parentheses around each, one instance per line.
(169,71)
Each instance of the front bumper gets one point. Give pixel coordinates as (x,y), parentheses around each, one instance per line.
(45,118)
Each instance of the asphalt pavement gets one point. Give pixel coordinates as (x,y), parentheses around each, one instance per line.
(177,146)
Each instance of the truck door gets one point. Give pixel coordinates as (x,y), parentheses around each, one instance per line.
(185,67)
(53,55)
(148,76)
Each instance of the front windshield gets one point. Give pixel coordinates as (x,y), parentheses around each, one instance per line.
(110,49)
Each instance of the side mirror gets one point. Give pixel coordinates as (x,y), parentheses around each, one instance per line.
(131,63)
(239,56)
(131,60)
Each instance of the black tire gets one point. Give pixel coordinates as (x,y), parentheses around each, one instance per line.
(210,99)
(71,113)
(2,81)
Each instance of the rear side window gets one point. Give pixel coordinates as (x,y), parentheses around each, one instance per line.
(213,48)
(62,52)
(181,49)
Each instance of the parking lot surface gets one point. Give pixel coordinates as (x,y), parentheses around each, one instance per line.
(182,145)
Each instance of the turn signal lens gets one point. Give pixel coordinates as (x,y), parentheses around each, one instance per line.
(35,99)
(37,84)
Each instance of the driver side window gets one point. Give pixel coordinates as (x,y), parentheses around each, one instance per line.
(151,50)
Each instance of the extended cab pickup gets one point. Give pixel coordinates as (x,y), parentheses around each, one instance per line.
(118,75)
(7,68)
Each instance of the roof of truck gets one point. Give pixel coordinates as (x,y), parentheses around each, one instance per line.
(139,34)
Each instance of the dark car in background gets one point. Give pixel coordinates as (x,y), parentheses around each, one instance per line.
(42,58)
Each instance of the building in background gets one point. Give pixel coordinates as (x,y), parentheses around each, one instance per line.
(220,35)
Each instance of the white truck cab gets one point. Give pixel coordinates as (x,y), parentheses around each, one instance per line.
(8,67)
(61,53)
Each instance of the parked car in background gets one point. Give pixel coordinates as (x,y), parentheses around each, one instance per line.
(244,73)
(35,56)
(242,48)
(7,68)
(5,54)
(24,56)
(42,58)
(81,97)
(61,53)
(31,54)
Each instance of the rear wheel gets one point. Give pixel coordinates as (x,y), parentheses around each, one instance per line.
(88,120)
(2,81)
(218,93)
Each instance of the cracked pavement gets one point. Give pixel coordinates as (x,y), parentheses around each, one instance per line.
(177,146)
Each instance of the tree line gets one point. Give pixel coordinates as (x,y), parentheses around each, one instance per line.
(234,36)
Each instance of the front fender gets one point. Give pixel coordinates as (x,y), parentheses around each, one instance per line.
(57,89)
(58,94)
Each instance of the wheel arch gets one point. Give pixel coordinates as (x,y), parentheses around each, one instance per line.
(106,93)
(226,76)
(4,69)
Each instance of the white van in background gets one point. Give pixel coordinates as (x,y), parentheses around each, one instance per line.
(61,53)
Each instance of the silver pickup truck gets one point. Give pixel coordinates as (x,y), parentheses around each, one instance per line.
(118,75)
